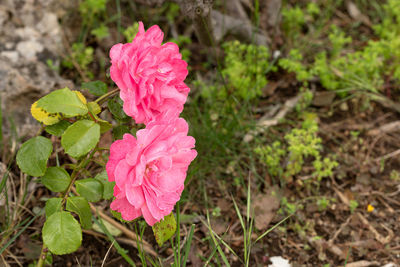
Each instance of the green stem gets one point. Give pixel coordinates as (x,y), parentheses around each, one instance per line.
(104,97)
(42,257)
(75,173)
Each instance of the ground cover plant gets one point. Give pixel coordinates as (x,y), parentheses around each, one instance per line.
(199,133)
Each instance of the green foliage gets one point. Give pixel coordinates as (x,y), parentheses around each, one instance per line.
(271,156)
(82,56)
(100,32)
(63,101)
(108,187)
(131,32)
(61,233)
(306,97)
(182,41)
(346,71)
(164,229)
(97,88)
(90,188)
(57,129)
(245,69)
(390,26)
(293,63)
(80,206)
(353,204)
(313,9)
(301,144)
(91,8)
(338,40)
(80,138)
(56,179)
(293,20)
(33,155)
(53,205)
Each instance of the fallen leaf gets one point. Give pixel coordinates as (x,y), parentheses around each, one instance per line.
(265,206)
(323,99)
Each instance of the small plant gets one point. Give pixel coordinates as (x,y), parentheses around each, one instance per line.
(294,63)
(245,69)
(301,144)
(131,32)
(362,70)
(91,9)
(293,20)
(81,56)
(353,205)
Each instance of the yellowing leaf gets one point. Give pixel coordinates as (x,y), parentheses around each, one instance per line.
(81,97)
(43,116)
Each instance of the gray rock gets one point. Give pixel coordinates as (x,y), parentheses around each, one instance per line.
(29,36)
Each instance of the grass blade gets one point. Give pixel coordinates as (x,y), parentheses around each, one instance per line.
(188,245)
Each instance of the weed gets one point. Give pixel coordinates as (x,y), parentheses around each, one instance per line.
(301,143)
(82,56)
(131,32)
(245,69)
(353,204)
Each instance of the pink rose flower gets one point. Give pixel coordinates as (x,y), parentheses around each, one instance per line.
(149,172)
(150,75)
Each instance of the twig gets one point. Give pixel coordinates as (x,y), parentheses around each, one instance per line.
(386,128)
(108,251)
(387,156)
(378,236)
(146,246)
(342,226)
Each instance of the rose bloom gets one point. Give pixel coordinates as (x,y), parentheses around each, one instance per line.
(150,75)
(150,171)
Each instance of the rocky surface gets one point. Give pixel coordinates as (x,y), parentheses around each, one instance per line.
(30,36)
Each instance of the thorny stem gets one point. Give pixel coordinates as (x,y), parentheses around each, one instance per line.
(104,97)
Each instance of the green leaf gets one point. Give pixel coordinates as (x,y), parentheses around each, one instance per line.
(110,228)
(90,189)
(80,206)
(115,107)
(164,229)
(57,129)
(56,179)
(53,205)
(119,131)
(104,125)
(80,138)
(33,155)
(61,233)
(108,187)
(97,88)
(63,101)
(94,108)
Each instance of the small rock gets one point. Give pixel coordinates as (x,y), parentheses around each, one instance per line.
(29,49)
(278,261)
(11,55)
